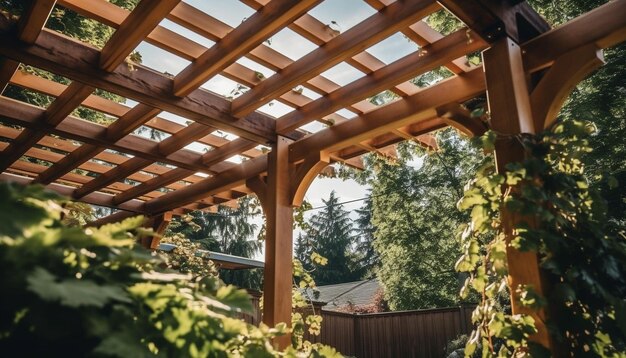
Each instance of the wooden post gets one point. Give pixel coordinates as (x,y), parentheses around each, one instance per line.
(279,192)
(511,114)
(279,240)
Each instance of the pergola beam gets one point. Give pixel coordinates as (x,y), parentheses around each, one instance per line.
(142,20)
(26,115)
(493,19)
(98,198)
(74,94)
(33,20)
(429,58)
(252,32)
(377,27)
(69,58)
(226,180)
(418,107)
(51,88)
(603,26)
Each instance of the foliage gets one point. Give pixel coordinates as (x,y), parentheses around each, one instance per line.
(368,257)
(599,99)
(184,257)
(581,257)
(91,292)
(329,235)
(230,231)
(414,220)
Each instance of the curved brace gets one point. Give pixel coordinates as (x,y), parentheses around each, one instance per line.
(258,185)
(159,224)
(305,173)
(567,71)
(460,118)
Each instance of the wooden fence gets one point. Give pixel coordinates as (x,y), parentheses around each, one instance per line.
(422,333)
(419,333)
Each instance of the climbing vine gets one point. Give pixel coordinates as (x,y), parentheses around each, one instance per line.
(582,255)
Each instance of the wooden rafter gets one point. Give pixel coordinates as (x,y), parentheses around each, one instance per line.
(115,109)
(26,115)
(263,24)
(431,57)
(367,33)
(603,26)
(418,107)
(78,62)
(33,20)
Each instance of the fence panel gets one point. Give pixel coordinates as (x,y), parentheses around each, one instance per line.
(422,333)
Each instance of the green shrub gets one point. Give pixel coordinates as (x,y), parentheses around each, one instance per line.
(71,291)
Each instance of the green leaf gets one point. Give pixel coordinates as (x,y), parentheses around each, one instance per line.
(73,293)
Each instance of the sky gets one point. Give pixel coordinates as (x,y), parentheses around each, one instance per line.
(341,14)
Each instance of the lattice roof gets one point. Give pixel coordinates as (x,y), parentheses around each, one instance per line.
(118,166)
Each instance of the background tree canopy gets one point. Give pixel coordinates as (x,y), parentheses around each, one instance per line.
(230,231)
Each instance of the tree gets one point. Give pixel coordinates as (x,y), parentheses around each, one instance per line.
(599,99)
(330,234)
(414,220)
(230,231)
(368,257)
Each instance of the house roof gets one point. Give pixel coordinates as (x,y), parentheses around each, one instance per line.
(225,261)
(358,293)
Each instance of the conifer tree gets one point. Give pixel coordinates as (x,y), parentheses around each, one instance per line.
(331,235)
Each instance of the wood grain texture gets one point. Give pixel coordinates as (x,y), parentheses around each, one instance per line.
(367,33)
(79,62)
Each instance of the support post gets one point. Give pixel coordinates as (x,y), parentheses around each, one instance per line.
(279,240)
(511,114)
(279,192)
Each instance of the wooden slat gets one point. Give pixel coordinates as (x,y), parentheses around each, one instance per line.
(152,184)
(58,144)
(100,104)
(367,33)
(141,21)
(434,55)
(99,199)
(136,26)
(56,112)
(420,106)
(33,20)
(210,158)
(118,129)
(604,26)
(228,179)
(26,115)
(253,31)
(202,23)
(78,62)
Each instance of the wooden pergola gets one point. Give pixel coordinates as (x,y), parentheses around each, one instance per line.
(528,69)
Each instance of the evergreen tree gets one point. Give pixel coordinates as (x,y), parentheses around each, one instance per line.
(230,231)
(368,257)
(330,234)
(303,251)
(414,220)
